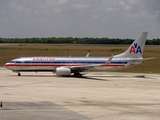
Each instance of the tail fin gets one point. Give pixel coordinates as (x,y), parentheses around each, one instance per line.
(136,48)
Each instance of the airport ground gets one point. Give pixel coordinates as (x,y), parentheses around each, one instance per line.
(97,95)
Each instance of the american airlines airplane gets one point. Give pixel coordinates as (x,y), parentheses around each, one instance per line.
(64,66)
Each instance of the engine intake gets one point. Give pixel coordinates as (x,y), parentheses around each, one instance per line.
(63,71)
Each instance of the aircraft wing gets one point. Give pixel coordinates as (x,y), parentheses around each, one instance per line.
(84,67)
(87,67)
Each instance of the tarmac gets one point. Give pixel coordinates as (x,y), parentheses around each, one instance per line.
(96,96)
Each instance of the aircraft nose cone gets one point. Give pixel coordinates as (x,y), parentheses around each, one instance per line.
(5,65)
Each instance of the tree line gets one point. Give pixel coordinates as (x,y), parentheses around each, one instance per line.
(71,40)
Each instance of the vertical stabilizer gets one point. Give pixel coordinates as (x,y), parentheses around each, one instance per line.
(136,48)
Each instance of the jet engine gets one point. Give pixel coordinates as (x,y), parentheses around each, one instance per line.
(63,71)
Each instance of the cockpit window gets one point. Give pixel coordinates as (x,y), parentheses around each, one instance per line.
(15,62)
(12,62)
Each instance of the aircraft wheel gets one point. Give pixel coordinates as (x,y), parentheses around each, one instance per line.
(79,75)
(19,74)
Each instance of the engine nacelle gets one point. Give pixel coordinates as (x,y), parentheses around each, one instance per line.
(63,71)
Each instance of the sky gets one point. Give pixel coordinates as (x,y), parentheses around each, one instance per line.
(79,18)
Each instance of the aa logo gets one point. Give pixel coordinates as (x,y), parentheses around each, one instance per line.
(135,49)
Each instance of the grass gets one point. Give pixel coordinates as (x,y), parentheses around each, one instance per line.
(9,52)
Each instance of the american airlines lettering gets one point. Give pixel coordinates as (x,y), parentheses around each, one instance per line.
(43,59)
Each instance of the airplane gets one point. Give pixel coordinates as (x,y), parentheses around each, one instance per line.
(78,66)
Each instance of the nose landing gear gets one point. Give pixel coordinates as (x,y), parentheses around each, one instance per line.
(19,74)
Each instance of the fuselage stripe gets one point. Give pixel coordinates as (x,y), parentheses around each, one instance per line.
(54,65)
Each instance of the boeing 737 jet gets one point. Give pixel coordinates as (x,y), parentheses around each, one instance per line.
(63,66)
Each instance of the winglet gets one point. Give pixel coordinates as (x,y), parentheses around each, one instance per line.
(109,60)
(87,55)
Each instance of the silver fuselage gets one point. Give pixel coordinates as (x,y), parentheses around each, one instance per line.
(51,63)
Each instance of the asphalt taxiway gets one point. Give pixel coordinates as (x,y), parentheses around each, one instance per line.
(97,95)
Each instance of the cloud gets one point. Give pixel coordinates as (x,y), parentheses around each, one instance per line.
(78,18)
(153,7)
(80,6)
(62,1)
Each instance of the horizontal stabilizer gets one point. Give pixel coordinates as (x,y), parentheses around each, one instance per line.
(143,59)
(148,58)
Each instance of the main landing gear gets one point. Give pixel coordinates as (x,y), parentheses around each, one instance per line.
(80,73)
(77,74)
